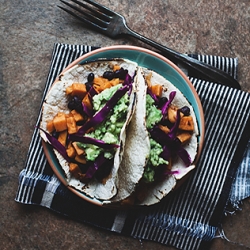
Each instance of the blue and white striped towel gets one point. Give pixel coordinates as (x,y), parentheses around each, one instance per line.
(189,217)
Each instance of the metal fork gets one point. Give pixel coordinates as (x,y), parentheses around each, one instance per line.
(113,25)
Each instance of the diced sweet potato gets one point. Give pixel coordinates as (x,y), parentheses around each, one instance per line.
(184,137)
(116,67)
(186,123)
(165,129)
(71,125)
(71,152)
(62,138)
(60,122)
(50,126)
(77,116)
(80,159)
(69,90)
(78,89)
(74,169)
(172,114)
(148,79)
(86,101)
(156,89)
(99,83)
(114,82)
(79,151)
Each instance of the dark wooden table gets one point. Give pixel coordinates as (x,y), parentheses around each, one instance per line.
(28,31)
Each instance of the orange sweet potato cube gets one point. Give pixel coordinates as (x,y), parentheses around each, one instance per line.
(99,83)
(113,82)
(71,152)
(50,126)
(71,125)
(60,122)
(86,101)
(74,169)
(62,138)
(172,114)
(184,137)
(69,90)
(148,79)
(77,116)
(116,67)
(80,159)
(79,151)
(78,89)
(156,89)
(165,129)
(186,123)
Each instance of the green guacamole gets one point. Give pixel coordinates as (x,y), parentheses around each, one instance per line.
(152,113)
(154,116)
(109,130)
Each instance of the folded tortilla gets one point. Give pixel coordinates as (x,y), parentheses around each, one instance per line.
(157,190)
(56,101)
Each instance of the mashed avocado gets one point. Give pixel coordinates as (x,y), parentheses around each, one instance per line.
(154,116)
(109,130)
(154,161)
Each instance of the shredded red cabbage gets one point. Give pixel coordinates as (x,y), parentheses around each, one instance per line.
(183,154)
(92,92)
(171,172)
(93,141)
(164,108)
(100,160)
(57,145)
(100,116)
(87,111)
(171,145)
(174,129)
(166,153)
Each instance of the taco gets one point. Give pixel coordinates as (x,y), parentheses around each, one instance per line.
(172,132)
(85,118)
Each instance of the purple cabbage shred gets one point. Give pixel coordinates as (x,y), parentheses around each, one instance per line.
(164,109)
(57,145)
(100,160)
(100,116)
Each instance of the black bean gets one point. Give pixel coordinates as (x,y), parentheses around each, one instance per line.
(91,77)
(108,75)
(74,102)
(123,73)
(88,85)
(162,101)
(185,110)
(71,105)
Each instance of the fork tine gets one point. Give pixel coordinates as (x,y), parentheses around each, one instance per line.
(101,7)
(105,14)
(90,20)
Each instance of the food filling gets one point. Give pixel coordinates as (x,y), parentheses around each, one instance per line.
(89,135)
(170,128)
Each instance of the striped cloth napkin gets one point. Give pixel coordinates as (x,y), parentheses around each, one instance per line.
(187,218)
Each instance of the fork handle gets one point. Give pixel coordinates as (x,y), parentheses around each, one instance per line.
(202,70)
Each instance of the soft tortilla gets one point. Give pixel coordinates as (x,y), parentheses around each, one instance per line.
(56,101)
(156,191)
